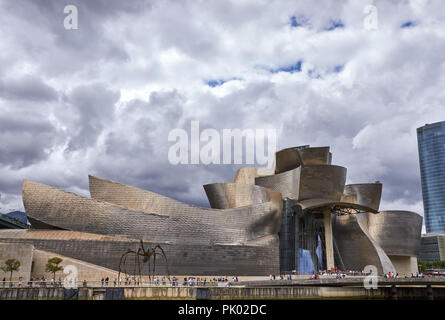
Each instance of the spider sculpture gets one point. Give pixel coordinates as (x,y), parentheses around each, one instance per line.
(146,256)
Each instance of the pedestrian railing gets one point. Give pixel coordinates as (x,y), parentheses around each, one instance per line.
(166,283)
(105,284)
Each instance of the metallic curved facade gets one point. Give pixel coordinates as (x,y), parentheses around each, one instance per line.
(247,175)
(69,211)
(397,232)
(365,194)
(322,181)
(306,182)
(356,246)
(287,183)
(287,159)
(314,156)
(135,198)
(291,158)
(299,216)
(235,195)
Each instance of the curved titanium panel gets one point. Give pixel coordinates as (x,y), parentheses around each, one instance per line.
(183,259)
(235,195)
(365,194)
(291,158)
(397,232)
(192,225)
(134,198)
(357,249)
(247,175)
(316,155)
(287,183)
(321,181)
(306,182)
(287,159)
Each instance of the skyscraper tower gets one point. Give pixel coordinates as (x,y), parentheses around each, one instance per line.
(431,143)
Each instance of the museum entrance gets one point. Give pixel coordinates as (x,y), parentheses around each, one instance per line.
(302,240)
(310,254)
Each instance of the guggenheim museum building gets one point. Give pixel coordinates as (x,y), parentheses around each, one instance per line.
(299,217)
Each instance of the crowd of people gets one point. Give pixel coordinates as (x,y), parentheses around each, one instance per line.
(335,272)
(165,281)
(393,275)
(280,277)
(338,274)
(34,282)
(196,281)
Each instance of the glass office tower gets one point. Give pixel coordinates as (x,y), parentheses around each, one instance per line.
(431,142)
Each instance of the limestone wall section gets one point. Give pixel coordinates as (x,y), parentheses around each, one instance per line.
(183,259)
(19,251)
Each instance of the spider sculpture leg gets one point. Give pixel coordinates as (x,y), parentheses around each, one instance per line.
(135,264)
(146,256)
(154,261)
(164,256)
(122,262)
(139,264)
(149,271)
(125,262)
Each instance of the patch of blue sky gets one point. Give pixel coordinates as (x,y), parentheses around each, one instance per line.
(317,74)
(407,24)
(290,68)
(298,21)
(338,68)
(313,74)
(334,24)
(219,82)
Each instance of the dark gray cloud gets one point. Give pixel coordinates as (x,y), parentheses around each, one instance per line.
(57,51)
(27,88)
(26,138)
(102,99)
(94,107)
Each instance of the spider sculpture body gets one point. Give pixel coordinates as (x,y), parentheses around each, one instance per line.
(145,256)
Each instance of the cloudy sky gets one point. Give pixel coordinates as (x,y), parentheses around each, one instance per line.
(102,99)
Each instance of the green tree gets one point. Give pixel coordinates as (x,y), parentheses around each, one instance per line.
(53,266)
(423,266)
(10,266)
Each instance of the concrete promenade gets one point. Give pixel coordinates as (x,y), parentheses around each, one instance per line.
(349,288)
(347,282)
